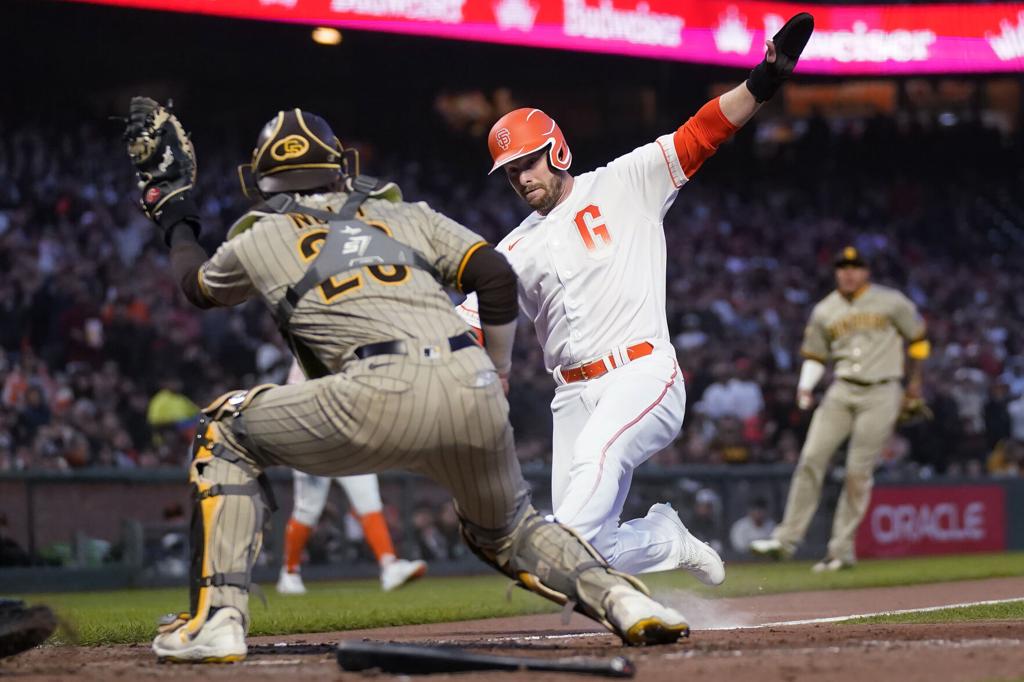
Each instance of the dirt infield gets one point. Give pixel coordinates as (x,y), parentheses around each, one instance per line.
(730,642)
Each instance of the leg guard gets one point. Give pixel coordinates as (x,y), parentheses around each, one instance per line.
(231,499)
(551,560)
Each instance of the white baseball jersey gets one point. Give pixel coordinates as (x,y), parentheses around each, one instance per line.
(592,271)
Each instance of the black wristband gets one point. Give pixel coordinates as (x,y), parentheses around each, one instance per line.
(764,81)
(177,211)
(790,40)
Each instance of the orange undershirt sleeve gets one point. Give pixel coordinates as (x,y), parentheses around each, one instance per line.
(698,138)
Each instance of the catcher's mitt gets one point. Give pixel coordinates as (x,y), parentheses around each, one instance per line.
(165,162)
(914,410)
(23,627)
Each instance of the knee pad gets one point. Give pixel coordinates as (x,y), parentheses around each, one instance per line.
(551,560)
(233,402)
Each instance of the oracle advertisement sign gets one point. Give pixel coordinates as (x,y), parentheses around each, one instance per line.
(909,520)
(850,39)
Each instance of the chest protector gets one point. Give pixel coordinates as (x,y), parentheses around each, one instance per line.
(350,244)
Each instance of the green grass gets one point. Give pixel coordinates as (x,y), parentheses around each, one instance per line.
(1008,611)
(129,616)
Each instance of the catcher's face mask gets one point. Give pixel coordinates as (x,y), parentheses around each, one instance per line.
(296,151)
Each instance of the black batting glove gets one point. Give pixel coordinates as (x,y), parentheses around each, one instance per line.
(767,77)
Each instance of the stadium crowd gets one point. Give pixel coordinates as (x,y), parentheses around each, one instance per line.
(103,362)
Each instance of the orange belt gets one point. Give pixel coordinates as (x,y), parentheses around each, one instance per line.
(601,366)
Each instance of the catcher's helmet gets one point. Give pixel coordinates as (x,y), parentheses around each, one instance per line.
(295,151)
(524,131)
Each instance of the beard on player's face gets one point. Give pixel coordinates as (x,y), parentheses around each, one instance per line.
(535,181)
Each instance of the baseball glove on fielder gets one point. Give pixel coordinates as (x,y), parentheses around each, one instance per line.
(23,627)
(914,410)
(165,161)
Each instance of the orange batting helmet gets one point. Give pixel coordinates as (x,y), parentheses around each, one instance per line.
(524,131)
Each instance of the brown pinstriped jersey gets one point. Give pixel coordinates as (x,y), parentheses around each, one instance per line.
(357,307)
(863,335)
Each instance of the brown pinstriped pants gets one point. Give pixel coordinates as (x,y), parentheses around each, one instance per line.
(444,417)
(864,414)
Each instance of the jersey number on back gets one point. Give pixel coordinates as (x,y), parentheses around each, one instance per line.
(392,275)
(590,227)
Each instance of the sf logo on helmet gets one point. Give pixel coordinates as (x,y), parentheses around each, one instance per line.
(289,147)
(503,138)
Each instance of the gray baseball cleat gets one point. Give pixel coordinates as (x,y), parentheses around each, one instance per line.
(771,548)
(830,565)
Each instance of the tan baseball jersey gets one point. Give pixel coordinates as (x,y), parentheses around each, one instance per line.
(354,308)
(864,334)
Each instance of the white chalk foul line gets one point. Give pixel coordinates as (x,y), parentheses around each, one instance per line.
(883,645)
(698,630)
(898,612)
(805,621)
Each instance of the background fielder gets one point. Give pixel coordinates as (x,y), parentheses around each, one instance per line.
(363,493)
(861,327)
(591,267)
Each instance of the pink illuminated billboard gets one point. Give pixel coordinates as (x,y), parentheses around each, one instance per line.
(848,39)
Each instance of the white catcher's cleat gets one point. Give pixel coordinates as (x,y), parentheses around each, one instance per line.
(290,583)
(640,620)
(401,572)
(221,639)
(697,557)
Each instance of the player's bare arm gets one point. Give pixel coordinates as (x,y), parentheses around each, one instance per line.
(915,376)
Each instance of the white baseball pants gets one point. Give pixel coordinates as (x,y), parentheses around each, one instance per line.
(604,429)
